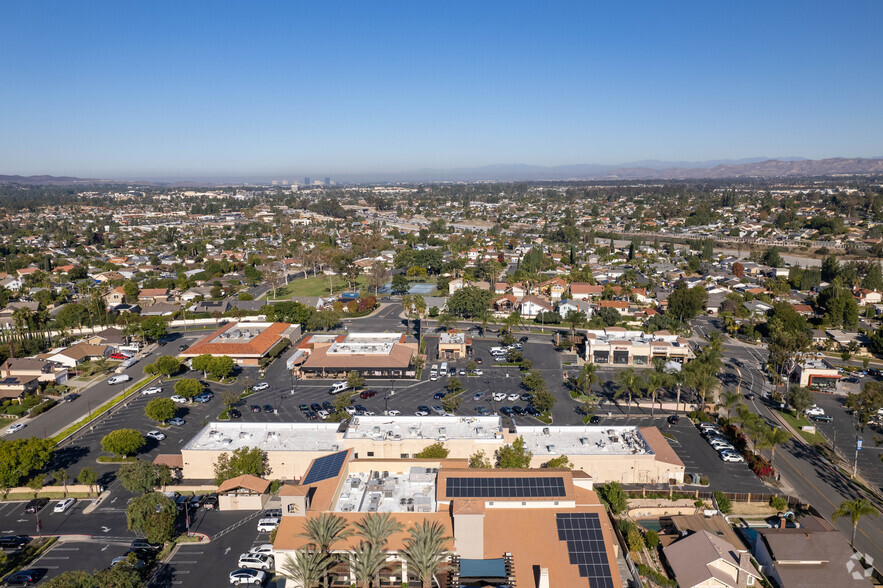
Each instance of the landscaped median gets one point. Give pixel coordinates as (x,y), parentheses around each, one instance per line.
(100,410)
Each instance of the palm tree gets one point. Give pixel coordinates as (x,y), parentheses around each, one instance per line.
(730,400)
(630,383)
(425,551)
(771,438)
(324,531)
(658,380)
(366,561)
(855,510)
(376,529)
(307,566)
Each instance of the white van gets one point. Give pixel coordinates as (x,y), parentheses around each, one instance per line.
(498,351)
(433,373)
(119,379)
(444,369)
(338,387)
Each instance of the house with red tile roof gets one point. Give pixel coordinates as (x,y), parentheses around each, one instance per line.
(245,343)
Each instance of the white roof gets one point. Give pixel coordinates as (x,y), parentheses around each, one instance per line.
(586,440)
(219,436)
(431,427)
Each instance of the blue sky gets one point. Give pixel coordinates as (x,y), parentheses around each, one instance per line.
(178,89)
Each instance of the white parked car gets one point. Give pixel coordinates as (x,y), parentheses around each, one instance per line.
(267,524)
(499,396)
(350,410)
(256,561)
(731,457)
(323,414)
(156,435)
(266,548)
(179,399)
(246,577)
(260,386)
(151,390)
(719,444)
(64,505)
(514,397)
(16,427)
(814,410)
(393,413)
(421,413)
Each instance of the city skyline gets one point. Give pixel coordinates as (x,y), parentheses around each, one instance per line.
(205,90)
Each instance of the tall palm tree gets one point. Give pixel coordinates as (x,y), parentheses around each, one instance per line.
(630,383)
(324,531)
(425,551)
(771,438)
(376,529)
(855,510)
(366,561)
(307,567)
(730,400)
(658,380)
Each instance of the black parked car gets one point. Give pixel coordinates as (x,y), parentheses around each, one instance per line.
(255,408)
(36,505)
(233,413)
(269,408)
(532,411)
(11,542)
(328,406)
(673,419)
(210,501)
(71,397)
(304,407)
(23,578)
(316,406)
(311,414)
(594,420)
(518,410)
(506,411)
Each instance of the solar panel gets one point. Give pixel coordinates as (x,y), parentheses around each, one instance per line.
(324,468)
(585,546)
(515,487)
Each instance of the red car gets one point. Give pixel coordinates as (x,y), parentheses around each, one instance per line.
(368,394)
(119,356)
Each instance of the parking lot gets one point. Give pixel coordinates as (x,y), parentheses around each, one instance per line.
(67,556)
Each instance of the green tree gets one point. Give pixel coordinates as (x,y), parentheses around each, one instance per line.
(630,384)
(425,550)
(167,365)
(800,398)
(221,366)
(153,328)
(729,400)
(119,576)
(354,380)
(376,529)
(400,283)
(651,537)
(658,380)
(21,458)
(61,476)
(202,363)
(558,462)
(873,279)
(543,401)
(723,503)
(435,451)
(479,460)
(160,409)
(307,567)
(140,477)
(324,532)
(123,442)
(469,302)
(685,303)
(87,477)
(534,381)
(245,460)
(516,455)
(613,496)
(153,515)
(188,388)
(771,438)
(866,403)
(854,510)
(366,561)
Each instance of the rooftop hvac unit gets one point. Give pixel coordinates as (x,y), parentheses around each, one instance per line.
(550,448)
(442,438)
(498,435)
(546,431)
(584,440)
(442,431)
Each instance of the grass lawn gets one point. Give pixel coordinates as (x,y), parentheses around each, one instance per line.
(800,421)
(314,286)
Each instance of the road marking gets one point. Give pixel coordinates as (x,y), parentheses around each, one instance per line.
(185,561)
(57,557)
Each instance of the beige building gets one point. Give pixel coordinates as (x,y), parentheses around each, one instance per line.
(453,345)
(372,355)
(816,374)
(620,347)
(512,527)
(605,453)
(245,343)
(244,492)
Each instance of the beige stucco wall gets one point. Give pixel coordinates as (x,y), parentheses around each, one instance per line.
(242,501)
(284,465)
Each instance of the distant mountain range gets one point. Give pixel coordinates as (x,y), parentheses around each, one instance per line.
(756,167)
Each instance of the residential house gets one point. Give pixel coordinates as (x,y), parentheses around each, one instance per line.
(620,306)
(865,297)
(153,295)
(582,306)
(115,297)
(703,560)
(813,555)
(584,291)
(210,306)
(532,306)
(504,305)
(77,354)
(16,387)
(27,367)
(160,309)
(553,288)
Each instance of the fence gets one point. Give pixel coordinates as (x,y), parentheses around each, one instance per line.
(645,491)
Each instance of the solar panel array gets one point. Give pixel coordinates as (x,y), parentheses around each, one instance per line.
(324,468)
(585,546)
(524,487)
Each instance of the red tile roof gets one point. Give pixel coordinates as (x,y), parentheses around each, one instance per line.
(258,346)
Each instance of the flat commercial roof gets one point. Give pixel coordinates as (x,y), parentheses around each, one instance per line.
(268,436)
(440,428)
(587,440)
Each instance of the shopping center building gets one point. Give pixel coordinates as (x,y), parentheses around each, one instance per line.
(620,347)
